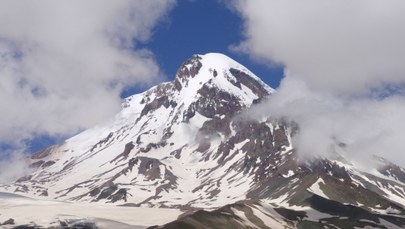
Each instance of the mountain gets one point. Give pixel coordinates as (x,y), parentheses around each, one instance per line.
(190,144)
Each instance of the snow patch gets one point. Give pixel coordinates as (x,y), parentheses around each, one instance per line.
(316,189)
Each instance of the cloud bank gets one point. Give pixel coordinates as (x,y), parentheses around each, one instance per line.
(345,70)
(63,64)
(344,46)
(366,126)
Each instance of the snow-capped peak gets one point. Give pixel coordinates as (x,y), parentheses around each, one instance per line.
(221,61)
(169,124)
(219,68)
(207,84)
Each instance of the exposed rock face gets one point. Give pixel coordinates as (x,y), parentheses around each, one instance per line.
(259,215)
(185,144)
(189,68)
(45,152)
(8,222)
(244,79)
(24,178)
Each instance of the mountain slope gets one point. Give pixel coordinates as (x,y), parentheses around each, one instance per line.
(323,213)
(188,144)
(156,144)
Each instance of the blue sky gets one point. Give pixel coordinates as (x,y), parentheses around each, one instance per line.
(191,27)
(199,27)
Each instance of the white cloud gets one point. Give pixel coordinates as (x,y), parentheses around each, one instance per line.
(337,55)
(13,166)
(63,64)
(367,126)
(344,46)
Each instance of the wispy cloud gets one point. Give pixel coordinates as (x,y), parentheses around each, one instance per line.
(13,165)
(63,64)
(344,65)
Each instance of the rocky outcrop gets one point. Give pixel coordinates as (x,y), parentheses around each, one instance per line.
(189,68)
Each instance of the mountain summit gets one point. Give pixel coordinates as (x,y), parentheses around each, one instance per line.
(182,144)
(166,140)
(211,83)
